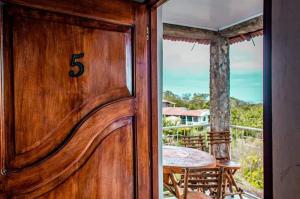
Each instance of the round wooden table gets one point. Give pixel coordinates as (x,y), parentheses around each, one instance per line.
(179,159)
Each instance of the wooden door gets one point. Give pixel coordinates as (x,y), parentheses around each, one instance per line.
(75,100)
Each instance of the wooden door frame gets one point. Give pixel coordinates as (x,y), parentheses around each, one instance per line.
(155,104)
(267,99)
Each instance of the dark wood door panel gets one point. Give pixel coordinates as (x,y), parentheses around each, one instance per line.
(116,11)
(75,137)
(47,102)
(91,132)
(107,174)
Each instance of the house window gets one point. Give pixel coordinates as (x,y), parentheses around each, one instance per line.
(183,120)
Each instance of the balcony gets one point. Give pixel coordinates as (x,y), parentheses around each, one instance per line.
(246,149)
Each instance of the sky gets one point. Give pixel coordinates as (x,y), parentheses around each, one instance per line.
(186,69)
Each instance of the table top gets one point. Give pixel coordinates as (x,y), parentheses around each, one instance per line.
(175,157)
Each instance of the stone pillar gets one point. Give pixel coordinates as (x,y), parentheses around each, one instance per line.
(220,91)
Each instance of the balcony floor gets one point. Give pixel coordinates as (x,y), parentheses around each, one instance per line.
(245,196)
(228,197)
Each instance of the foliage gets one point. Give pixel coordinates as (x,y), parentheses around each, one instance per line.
(247,149)
(171,122)
(250,115)
(192,102)
(253,170)
(242,113)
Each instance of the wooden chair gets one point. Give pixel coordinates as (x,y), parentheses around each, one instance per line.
(190,194)
(215,139)
(207,180)
(180,188)
(196,142)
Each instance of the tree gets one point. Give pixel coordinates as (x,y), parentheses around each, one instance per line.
(242,113)
(199,101)
(189,101)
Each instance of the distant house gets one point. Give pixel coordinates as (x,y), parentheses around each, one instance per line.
(167,103)
(187,117)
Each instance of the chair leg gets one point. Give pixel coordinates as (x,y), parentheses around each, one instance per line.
(167,185)
(238,189)
(231,189)
(186,178)
(220,194)
(175,184)
(170,189)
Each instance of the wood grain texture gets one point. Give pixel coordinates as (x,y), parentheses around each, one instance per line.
(55,137)
(49,103)
(143,103)
(114,11)
(180,32)
(107,174)
(8,115)
(236,33)
(176,159)
(2,122)
(196,142)
(245,27)
(84,137)
(156,3)
(154,105)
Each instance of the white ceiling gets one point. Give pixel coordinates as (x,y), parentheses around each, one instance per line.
(210,14)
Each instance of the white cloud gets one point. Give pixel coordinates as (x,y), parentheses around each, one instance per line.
(246,56)
(182,55)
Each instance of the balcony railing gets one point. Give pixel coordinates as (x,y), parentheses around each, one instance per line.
(246,148)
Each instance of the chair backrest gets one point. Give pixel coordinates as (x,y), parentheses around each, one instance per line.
(219,139)
(205,180)
(196,142)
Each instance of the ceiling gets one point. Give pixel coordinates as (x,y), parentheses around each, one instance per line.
(210,14)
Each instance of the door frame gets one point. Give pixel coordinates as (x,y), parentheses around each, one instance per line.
(156,89)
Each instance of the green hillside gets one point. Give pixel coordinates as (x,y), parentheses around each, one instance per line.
(242,113)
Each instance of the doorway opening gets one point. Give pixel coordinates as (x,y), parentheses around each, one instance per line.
(212,97)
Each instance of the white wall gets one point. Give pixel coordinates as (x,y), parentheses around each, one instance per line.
(286,98)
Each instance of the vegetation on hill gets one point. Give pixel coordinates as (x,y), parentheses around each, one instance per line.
(192,102)
(242,113)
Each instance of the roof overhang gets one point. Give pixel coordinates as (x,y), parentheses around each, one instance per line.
(236,33)
(200,21)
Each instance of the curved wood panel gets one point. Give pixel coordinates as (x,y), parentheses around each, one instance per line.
(44,108)
(87,136)
(89,133)
(44,99)
(108,173)
(55,137)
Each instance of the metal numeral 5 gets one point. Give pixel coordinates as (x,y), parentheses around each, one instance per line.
(78,64)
